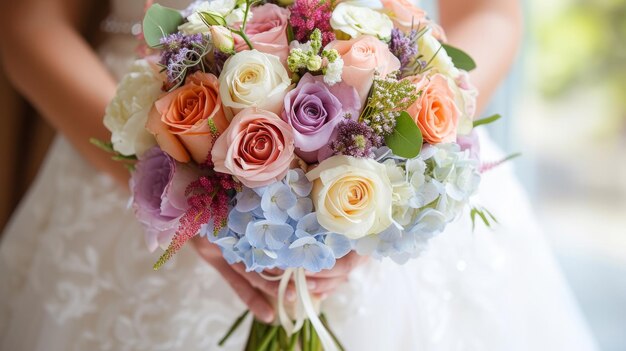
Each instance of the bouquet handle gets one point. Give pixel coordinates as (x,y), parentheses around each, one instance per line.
(304,304)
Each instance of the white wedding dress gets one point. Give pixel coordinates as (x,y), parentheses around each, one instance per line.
(75,274)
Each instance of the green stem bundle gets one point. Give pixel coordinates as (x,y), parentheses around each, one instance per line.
(269,337)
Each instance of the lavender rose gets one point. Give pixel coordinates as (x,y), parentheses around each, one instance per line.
(313,109)
(158,186)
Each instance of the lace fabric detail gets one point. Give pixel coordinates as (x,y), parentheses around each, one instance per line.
(89,269)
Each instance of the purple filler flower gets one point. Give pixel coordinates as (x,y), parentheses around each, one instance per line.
(158,186)
(313,109)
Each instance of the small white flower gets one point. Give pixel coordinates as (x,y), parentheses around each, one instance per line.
(333,72)
(356,20)
(296,45)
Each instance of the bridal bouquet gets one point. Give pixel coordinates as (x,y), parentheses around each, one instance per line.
(290,133)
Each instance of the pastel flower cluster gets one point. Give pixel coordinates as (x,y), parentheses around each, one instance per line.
(291,135)
(275,227)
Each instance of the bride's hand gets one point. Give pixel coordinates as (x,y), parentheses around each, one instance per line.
(252,288)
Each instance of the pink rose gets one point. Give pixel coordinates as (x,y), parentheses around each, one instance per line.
(180,119)
(407,16)
(267,31)
(362,57)
(257,148)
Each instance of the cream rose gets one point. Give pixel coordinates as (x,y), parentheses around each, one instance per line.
(357,20)
(127,113)
(254,79)
(352,196)
(441,63)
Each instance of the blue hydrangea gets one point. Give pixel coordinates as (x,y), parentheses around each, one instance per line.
(275,227)
(429,192)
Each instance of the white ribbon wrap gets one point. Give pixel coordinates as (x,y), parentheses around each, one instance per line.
(304,309)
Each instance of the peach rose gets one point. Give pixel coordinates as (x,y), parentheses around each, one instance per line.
(257,148)
(362,57)
(180,119)
(407,16)
(435,111)
(267,31)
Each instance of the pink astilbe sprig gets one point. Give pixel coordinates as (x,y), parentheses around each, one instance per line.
(306,15)
(488,166)
(208,199)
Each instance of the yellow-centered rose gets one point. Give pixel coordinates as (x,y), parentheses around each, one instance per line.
(254,79)
(352,196)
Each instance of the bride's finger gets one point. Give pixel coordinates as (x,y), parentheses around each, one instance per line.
(325,286)
(342,268)
(250,296)
(267,286)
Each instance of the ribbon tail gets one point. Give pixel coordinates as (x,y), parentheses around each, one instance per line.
(283,316)
(326,339)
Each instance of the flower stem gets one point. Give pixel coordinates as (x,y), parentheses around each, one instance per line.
(245,38)
(268,338)
(330,331)
(313,341)
(233,328)
(242,30)
(294,340)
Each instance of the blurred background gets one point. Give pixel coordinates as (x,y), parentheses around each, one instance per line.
(566,103)
(565,109)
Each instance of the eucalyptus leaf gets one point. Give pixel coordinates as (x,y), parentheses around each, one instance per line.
(460,59)
(486,120)
(406,140)
(159,22)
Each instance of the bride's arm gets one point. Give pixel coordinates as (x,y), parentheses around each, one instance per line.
(49,62)
(490,31)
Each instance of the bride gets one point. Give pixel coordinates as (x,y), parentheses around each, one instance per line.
(76,275)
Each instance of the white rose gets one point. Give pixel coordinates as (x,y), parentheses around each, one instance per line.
(352,196)
(127,113)
(357,20)
(442,63)
(254,79)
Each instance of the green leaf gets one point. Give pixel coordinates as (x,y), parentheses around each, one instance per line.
(406,140)
(102,145)
(487,217)
(159,22)
(486,120)
(460,59)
